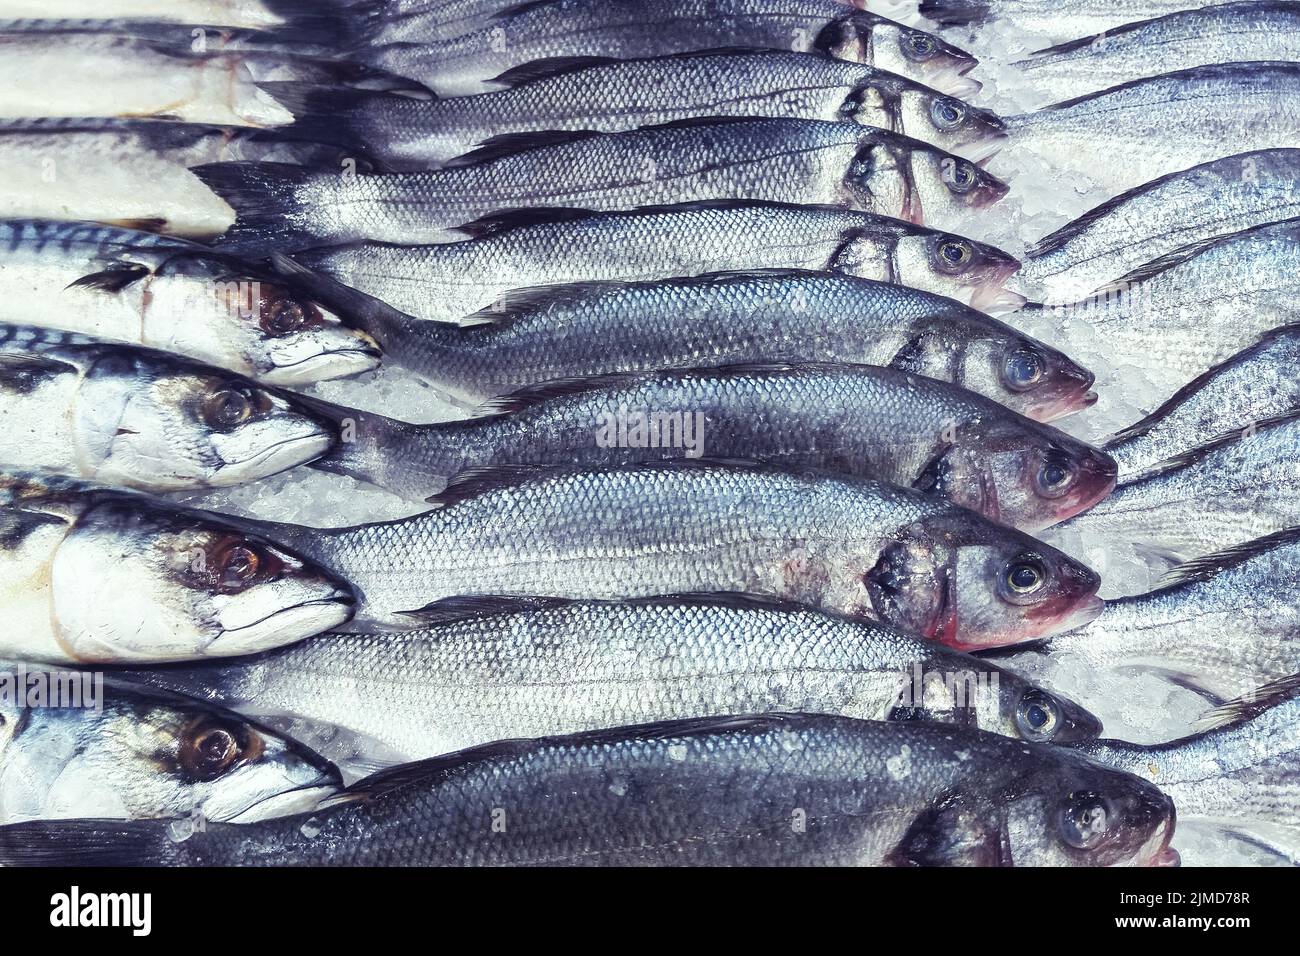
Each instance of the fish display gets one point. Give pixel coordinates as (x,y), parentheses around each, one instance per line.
(783,160)
(527,667)
(647,795)
(854,419)
(406,133)
(145,754)
(1074,18)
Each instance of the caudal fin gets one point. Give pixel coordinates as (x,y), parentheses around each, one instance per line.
(325,114)
(89,843)
(341,23)
(272,212)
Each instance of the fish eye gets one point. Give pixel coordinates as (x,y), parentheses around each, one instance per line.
(1022,370)
(1025,575)
(209,748)
(1037,716)
(237,565)
(281,315)
(1084,820)
(960,177)
(919,45)
(954,254)
(947,114)
(1055,476)
(228,406)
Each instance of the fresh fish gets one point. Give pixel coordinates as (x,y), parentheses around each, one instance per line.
(1182,209)
(1223,33)
(871,793)
(1241,776)
(250,14)
(173,295)
(1223,625)
(622,29)
(95,575)
(121,415)
(146,754)
(1163,124)
(536,335)
(447,282)
(785,160)
(843,544)
(850,419)
(1252,386)
(1234,488)
(1061,19)
(130,172)
(410,134)
(532,668)
(1185,313)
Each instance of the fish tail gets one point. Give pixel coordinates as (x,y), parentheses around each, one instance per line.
(343,24)
(89,843)
(268,204)
(324,114)
(949,13)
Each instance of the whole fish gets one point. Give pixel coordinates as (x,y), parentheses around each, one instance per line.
(536,335)
(1241,777)
(447,282)
(177,296)
(94,575)
(122,415)
(702,792)
(1163,124)
(1222,493)
(131,172)
(411,134)
(622,29)
(147,754)
(1214,199)
(1223,625)
(1063,19)
(532,668)
(844,544)
(1223,33)
(1252,386)
(1183,314)
(850,419)
(784,160)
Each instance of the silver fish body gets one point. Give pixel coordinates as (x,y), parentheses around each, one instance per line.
(852,419)
(1164,124)
(1062,20)
(622,29)
(100,576)
(537,335)
(782,160)
(1223,33)
(1214,199)
(448,282)
(143,754)
(410,134)
(249,14)
(1253,386)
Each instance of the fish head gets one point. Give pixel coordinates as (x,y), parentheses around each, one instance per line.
(913,53)
(1031,713)
(1019,472)
(258,327)
(949,122)
(956,578)
(971,272)
(150,421)
(1026,375)
(948,188)
(153,754)
(135,581)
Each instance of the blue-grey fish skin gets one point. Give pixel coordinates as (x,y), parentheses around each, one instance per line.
(772,790)
(1058,19)
(533,668)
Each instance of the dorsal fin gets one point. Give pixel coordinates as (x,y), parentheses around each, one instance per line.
(1210,565)
(113,279)
(507,219)
(473,482)
(1213,71)
(1252,704)
(1194,455)
(507,12)
(1163,264)
(508,144)
(535,70)
(23,372)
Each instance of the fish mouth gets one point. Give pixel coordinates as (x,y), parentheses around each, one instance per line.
(353,360)
(1066,613)
(990,284)
(315,616)
(988,145)
(301,799)
(278,457)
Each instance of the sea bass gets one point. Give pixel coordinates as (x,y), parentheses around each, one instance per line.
(536,335)
(121,415)
(701,792)
(1145,224)
(410,134)
(1164,124)
(622,29)
(1062,19)
(1223,33)
(232,13)
(783,160)
(511,668)
(146,754)
(844,544)
(92,575)
(174,295)
(1251,387)
(852,419)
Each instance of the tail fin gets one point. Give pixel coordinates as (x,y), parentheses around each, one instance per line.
(271,211)
(341,23)
(325,114)
(89,843)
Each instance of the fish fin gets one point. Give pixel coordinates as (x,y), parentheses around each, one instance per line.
(22,372)
(265,199)
(543,69)
(86,843)
(1278,841)
(112,280)
(956,830)
(1251,704)
(338,23)
(476,481)
(356,307)
(1210,565)
(1200,452)
(1157,266)
(478,605)
(1160,556)
(512,10)
(150,224)
(1058,239)
(475,605)
(506,219)
(323,113)
(508,144)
